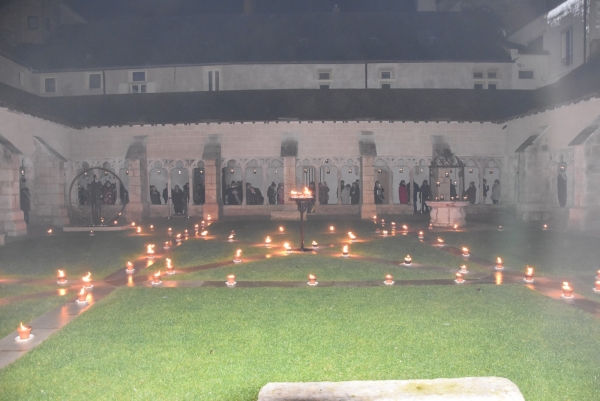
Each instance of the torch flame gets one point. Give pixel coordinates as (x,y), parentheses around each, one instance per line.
(61,273)
(23,327)
(87,278)
(203,233)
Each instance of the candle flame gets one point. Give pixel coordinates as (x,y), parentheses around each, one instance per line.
(312,277)
(566,286)
(389,277)
(169,229)
(196,226)
(268,240)
(87,278)
(287,246)
(385,232)
(331,228)
(178,235)
(61,273)
(314,243)
(420,233)
(231,236)
(499,261)
(152,226)
(405,227)
(529,271)
(440,240)
(49,231)
(231,276)
(157,274)
(203,233)
(238,253)
(345,250)
(169,266)
(23,327)
(465,250)
(150,248)
(280,229)
(129,265)
(133,224)
(82,291)
(352,236)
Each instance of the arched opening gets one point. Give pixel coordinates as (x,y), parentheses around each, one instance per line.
(232,184)
(158,180)
(198,183)
(254,183)
(274,180)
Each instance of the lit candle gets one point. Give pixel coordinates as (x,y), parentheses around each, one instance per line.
(385,233)
(597,289)
(312,279)
(203,234)
(393,225)
(208,217)
(281,230)
(178,237)
(288,248)
(129,267)
(500,228)
(331,229)
(170,267)
(460,278)
(545,227)
(499,264)
(440,242)
(407,260)
(24,332)
(389,279)
(82,296)
(49,232)
(167,245)
(139,230)
(231,279)
(151,227)
(529,274)
(115,222)
(150,251)
(421,235)
(87,281)
(567,290)
(315,245)
(405,228)
(268,242)
(238,256)
(463,269)
(186,233)
(465,251)
(352,236)
(62,277)
(430,226)
(382,222)
(230,238)
(455,226)
(156,278)
(441,197)
(345,251)
(169,231)
(133,224)
(202,224)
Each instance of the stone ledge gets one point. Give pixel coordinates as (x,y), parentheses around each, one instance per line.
(467,388)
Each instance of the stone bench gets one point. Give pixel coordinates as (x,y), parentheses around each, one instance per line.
(464,389)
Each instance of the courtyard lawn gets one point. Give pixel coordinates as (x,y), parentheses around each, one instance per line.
(225,344)
(296,267)
(25,311)
(12,290)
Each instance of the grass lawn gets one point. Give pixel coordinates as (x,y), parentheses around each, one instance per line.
(25,311)
(225,344)
(11,290)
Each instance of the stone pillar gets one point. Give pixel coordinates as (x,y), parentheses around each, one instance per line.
(134,211)
(367,207)
(211,189)
(290,209)
(48,198)
(12,222)
(585,212)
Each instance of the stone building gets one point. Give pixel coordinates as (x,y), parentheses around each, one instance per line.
(294,99)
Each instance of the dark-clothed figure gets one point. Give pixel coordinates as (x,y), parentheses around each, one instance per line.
(496,192)
(403,192)
(96,200)
(109,196)
(323,193)
(272,194)
(425,196)
(81,195)
(485,188)
(200,195)
(354,194)
(253,195)
(471,193)
(185,197)
(177,198)
(378,193)
(240,192)
(452,190)
(280,194)
(26,203)
(561,186)
(165,193)
(124,194)
(416,189)
(231,195)
(154,195)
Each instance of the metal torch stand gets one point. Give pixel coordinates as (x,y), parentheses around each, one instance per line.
(302,207)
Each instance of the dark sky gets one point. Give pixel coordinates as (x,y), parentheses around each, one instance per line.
(95,9)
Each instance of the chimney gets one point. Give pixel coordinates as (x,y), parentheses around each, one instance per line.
(426,5)
(248,7)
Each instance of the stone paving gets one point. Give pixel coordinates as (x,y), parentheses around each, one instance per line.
(54,320)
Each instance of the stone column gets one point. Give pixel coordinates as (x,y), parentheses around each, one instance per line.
(211,189)
(367,207)
(290,209)
(12,222)
(134,211)
(48,204)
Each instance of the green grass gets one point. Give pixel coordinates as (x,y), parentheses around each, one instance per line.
(225,344)
(296,267)
(11,290)
(25,311)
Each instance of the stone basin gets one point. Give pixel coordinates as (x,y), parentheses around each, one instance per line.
(448,213)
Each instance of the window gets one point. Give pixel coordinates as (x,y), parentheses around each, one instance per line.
(492,75)
(138,88)
(138,76)
(537,43)
(478,75)
(324,76)
(567,47)
(386,75)
(386,86)
(492,86)
(94,81)
(214,81)
(525,74)
(478,85)
(323,86)
(49,85)
(32,22)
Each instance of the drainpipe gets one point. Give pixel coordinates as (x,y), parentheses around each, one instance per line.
(585,6)
(366,85)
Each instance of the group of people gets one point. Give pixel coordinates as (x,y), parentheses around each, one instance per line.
(234,194)
(350,193)
(106,193)
(276,194)
(471,192)
(180,197)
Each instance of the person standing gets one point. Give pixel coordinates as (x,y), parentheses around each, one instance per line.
(154,195)
(272,193)
(280,194)
(323,193)
(415,191)
(486,188)
(185,197)
(425,195)
(378,193)
(165,193)
(346,195)
(496,192)
(177,197)
(96,200)
(403,193)
(26,203)
(471,193)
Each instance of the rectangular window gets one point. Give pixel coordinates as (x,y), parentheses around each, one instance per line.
(322,86)
(49,85)
(567,47)
(492,86)
(478,75)
(95,81)
(386,75)
(138,76)
(32,22)
(525,74)
(386,86)
(214,81)
(478,85)
(492,74)
(324,76)
(138,88)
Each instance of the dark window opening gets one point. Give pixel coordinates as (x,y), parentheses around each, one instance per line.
(324,75)
(323,86)
(478,75)
(50,85)
(138,76)
(95,81)
(492,86)
(525,74)
(386,75)
(386,86)
(478,86)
